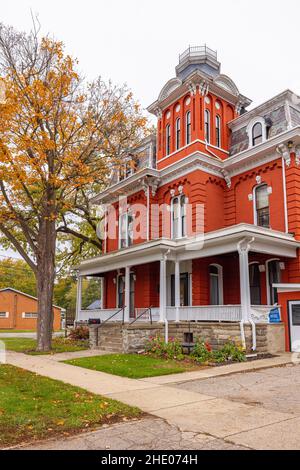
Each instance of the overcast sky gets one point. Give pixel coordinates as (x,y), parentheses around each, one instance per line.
(138,41)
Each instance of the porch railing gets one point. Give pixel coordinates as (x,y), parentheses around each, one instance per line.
(230,313)
(115,314)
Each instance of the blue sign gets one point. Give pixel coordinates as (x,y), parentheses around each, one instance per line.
(274,316)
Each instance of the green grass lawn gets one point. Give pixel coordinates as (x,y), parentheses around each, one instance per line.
(35,407)
(59,345)
(133,365)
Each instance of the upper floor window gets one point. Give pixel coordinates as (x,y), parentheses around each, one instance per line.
(188,128)
(257,134)
(178,209)
(125,229)
(218,131)
(127,170)
(168,139)
(207,125)
(262,207)
(178,133)
(257,130)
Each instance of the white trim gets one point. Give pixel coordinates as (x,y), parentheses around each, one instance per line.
(286,218)
(287,287)
(6,315)
(254,202)
(249,130)
(32,315)
(188,113)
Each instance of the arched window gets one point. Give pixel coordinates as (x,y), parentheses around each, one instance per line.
(168,139)
(207,125)
(255,289)
(178,209)
(178,133)
(218,131)
(257,134)
(188,129)
(216,284)
(262,207)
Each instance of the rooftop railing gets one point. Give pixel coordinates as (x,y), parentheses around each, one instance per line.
(198,51)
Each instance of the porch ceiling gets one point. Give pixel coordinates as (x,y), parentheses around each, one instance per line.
(210,244)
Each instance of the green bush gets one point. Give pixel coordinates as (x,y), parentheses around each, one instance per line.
(157,346)
(203,353)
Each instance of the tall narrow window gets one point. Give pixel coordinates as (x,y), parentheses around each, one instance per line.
(178,134)
(255,291)
(274,275)
(262,206)
(188,128)
(218,131)
(207,125)
(257,134)
(179,217)
(168,139)
(126,229)
(215,284)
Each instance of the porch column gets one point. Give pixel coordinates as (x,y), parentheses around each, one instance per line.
(127,295)
(162,289)
(78,298)
(177,289)
(243,249)
(102,284)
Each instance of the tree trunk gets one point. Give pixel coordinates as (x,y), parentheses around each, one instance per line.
(45,283)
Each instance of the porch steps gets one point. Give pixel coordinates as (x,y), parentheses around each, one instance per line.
(110,338)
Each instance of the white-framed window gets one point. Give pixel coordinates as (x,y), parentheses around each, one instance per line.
(4,314)
(168,139)
(188,128)
(257,131)
(207,125)
(273,276)
(261,205)
(125,229)
(178,133)
(216,284)
(178,211)
(29,315)
(218,131)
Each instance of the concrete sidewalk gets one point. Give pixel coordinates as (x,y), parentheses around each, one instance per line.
(187,410)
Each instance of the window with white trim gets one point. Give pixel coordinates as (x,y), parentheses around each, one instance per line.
(178,210)
(262,206)
(4,314)
(178,133)
(125,229)
(188,125)
(168,139)
(30,315)
(257,131)
(257,134)
(218,131)
(207,125)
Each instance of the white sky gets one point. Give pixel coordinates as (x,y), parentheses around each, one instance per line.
(138,41)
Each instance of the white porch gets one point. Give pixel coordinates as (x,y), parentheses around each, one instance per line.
(238,239)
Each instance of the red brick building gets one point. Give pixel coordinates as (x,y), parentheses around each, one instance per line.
(18,311)
(219,237)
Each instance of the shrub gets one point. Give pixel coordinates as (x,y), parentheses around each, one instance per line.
(79,333)
(202,351)
(171,350)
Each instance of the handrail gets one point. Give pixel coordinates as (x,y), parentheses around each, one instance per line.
(112,316)
(143,313)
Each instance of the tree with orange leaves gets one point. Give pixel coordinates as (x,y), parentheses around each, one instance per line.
(59,138)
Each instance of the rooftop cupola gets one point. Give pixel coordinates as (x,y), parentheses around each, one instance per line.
(200,58)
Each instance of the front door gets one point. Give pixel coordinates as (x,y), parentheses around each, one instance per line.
(184,290)
(121,293)
(131,306)
(255,292)
(294,314)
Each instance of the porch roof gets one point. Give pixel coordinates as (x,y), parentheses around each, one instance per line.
(209,244)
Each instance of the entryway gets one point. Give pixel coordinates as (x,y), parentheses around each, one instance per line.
(294,321)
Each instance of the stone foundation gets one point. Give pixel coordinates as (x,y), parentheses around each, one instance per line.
(129,339)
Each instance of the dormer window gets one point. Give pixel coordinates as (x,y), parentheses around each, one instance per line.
(168,139)
(257,131)
(188,125)
(207,126)
(257,134)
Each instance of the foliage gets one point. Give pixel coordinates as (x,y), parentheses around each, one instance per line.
(134,366)
(59,345)
(231,351)
(33,407)
(17,275)
(171,350)
(79,333)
